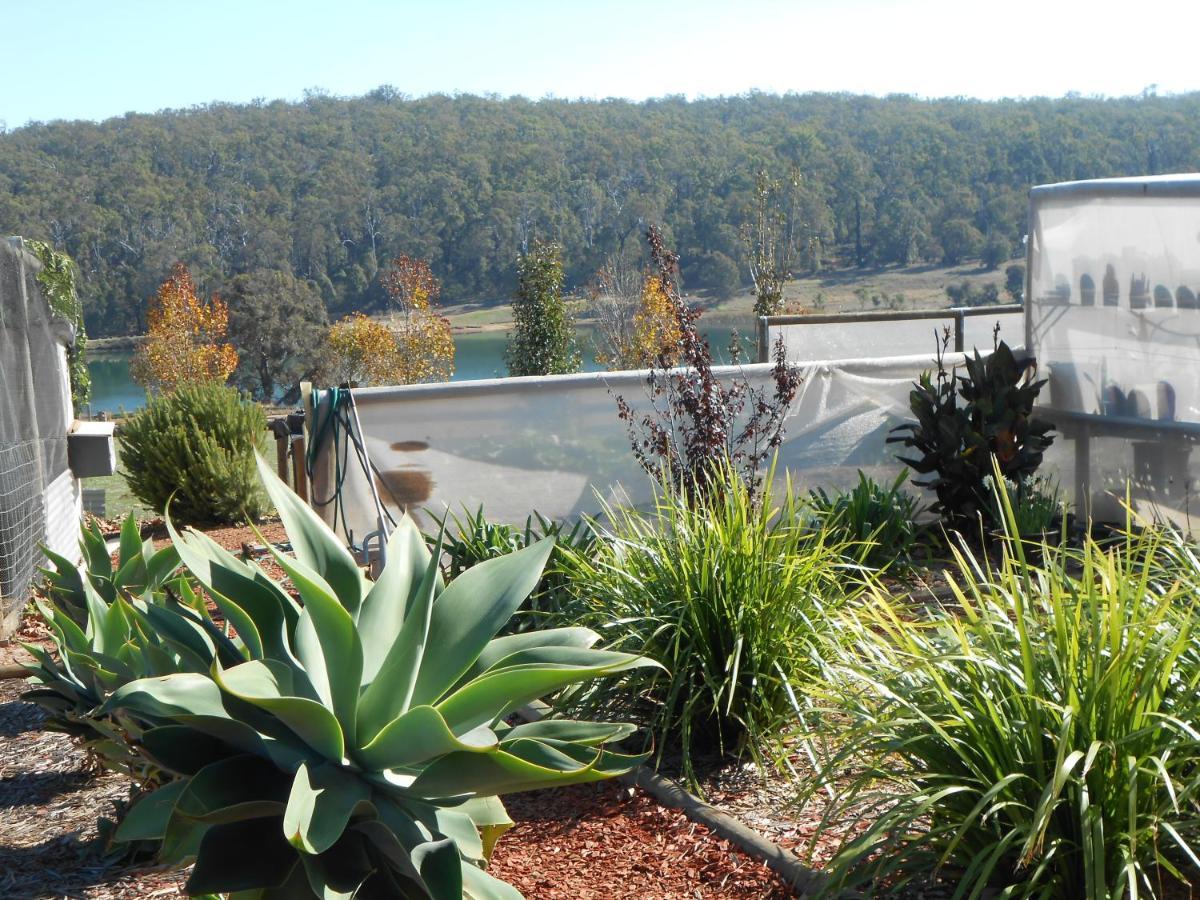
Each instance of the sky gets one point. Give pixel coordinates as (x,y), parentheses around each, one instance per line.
(84,59)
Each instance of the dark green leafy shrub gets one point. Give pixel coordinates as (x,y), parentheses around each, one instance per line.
(195,448)
(965,419)
(471,539)
(542,341)
(881,519)
(733,596)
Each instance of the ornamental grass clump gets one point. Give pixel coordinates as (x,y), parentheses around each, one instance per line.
(354,743)
(731,594)
(880,518)
(1036,739)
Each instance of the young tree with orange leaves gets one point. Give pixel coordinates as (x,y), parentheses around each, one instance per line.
(424,340)
(360,351)
(185,341)
(648,336)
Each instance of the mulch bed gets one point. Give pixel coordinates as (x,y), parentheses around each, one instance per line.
(607,841)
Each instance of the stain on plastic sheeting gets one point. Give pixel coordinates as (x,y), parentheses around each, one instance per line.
(410,446)
(407,487)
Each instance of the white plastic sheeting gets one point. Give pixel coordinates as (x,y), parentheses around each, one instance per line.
(39,497)
(1114,320)
(554,444)
(856,336)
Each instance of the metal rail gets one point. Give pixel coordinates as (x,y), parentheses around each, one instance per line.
(959,313)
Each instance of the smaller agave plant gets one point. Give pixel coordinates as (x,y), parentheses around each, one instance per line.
(359,746)
(139,568)
(110,626)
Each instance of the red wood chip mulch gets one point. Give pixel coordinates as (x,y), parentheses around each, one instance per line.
(594,842)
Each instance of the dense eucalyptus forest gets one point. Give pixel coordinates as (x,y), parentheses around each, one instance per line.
(329,189)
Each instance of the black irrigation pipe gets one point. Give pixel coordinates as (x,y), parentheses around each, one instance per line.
(806,882)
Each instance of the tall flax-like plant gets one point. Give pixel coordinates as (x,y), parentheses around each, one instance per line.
(1038,741)
(730,592)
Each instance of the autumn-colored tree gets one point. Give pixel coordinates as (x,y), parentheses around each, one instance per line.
(185,341)
(653,334)
(411,284)
(424,340)
(360,351)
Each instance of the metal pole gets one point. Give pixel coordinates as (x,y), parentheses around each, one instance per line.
(960,321)
(764,338)
(380,520)
(1083,479)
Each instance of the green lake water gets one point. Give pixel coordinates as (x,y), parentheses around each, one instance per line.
(476,355)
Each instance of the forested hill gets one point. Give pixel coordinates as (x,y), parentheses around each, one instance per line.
(332,188)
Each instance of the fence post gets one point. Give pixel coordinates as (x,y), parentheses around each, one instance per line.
(764,337)
(281,456)
(299,472)
(960,323)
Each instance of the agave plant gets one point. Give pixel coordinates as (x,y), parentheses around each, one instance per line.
(360,745)
(139,568)
(110,626)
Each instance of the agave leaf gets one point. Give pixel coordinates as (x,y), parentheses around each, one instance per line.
(490,818)
(440,868)
(327,644)
(520,766)
(99,628)
(160,564)
(499,692)
(457,825)
(182,840)
(418,735)
(182,749)
(315,545)
(224,576)
(234,789)
(382,614)
(95,552)
(170,696)
(185,632)
(66,631)
(389,693)
(479,885)
(471,610)
(498,649)
(239,856)
(148,818)
(66,577)
(131,540)
(589,734)
(267,684)
(319,806)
